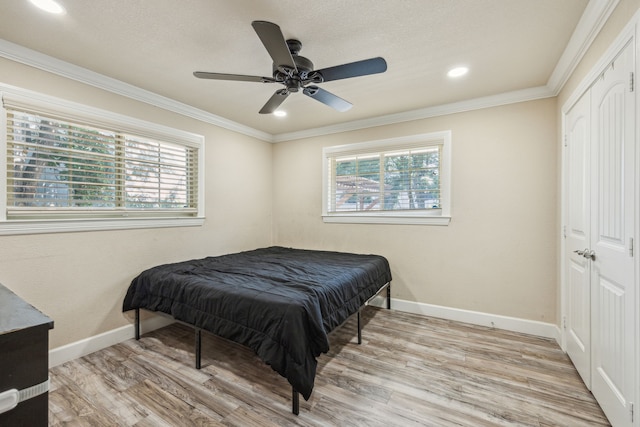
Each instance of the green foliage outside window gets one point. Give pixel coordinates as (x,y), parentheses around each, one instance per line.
(57,164)
(410,180)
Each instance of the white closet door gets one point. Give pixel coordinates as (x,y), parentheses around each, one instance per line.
(578,229)
(612,228)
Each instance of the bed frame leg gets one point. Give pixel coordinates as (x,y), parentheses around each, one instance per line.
(295,402)
(359,328)
(389,296)
(198,347)
(137,324)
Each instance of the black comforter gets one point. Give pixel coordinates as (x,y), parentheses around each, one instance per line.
(280,302)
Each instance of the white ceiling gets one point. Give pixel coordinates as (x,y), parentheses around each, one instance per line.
(509,45)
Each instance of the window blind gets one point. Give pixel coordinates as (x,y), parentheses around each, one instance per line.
(392,180)
(61,167)
(400,180)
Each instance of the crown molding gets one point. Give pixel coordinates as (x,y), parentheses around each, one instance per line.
(625,36)
(423,113)
(594,17)
(47,63)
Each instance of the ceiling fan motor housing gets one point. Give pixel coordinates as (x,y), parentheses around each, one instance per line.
(292,79)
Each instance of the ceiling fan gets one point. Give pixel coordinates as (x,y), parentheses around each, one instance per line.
(296,72)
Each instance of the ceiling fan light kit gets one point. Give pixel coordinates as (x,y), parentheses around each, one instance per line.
(296,72)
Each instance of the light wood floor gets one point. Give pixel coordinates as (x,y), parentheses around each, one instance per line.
(409,370)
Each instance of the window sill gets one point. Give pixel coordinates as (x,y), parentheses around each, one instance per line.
(387,219)
(17,227)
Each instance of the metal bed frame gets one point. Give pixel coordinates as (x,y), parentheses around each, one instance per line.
(295,395)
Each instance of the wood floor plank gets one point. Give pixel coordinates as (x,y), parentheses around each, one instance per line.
(409,370)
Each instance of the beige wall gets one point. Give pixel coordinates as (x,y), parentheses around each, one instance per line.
(497,256)
(79,279)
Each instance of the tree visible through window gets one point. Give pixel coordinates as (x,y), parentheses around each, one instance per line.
(55,163)
(399,177)
(388,181)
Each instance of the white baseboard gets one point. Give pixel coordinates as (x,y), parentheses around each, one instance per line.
(514,324)
(74,350)
(77,349)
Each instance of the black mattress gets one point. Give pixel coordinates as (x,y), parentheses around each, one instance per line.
(280,302)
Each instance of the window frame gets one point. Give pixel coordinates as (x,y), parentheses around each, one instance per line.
(111,220)
(441,216)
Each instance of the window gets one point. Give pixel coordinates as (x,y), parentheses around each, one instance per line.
(70,168)
(401,180)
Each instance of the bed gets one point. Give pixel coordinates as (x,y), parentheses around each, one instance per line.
(280,302)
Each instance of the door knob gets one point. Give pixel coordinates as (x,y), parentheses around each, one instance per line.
(589,254)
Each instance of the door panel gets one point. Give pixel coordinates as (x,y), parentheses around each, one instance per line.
(578,313)
(612,226)
(579,326)
(610,360)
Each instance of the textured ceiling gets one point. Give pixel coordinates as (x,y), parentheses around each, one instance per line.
(509,45)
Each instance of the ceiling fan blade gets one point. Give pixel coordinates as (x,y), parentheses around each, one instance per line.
(235,77)
(327,98)
(274,102)
(273,40)
(354,69)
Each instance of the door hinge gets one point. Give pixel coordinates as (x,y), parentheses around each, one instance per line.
(564,231)
(631,246)
(631,82)
(564,322)
(565,140)
(631,410)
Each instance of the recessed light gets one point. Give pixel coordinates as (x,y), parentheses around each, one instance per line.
(458,72)
(50,6)
(279,113)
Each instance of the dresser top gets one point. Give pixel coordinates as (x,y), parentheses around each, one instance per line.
(16,313)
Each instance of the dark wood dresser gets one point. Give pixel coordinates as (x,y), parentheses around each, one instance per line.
(24,362)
